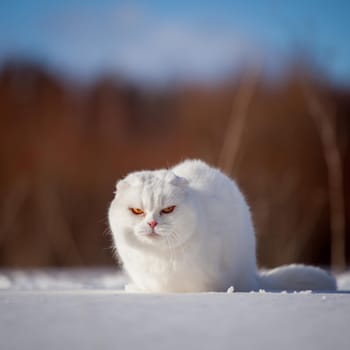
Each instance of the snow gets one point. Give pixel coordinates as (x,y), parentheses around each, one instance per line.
(5,283)
(230,290)
(62,279)
(88,309)
(343,281)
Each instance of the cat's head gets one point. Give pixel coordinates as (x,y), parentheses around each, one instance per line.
(153,208)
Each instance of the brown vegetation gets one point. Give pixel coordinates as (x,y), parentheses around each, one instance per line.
(63,146)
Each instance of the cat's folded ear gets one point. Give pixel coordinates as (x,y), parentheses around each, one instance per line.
(121,184)
(129,180)
(178,180)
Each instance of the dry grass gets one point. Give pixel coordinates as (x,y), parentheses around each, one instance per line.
(325,122)
(62,149)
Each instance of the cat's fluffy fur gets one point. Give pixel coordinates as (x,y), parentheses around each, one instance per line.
(206,244)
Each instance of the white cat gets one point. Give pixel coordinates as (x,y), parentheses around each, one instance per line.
(189,229)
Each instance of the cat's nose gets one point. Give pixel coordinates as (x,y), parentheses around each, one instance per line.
(153,224)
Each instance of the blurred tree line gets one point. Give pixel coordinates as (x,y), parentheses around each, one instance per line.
(64,144)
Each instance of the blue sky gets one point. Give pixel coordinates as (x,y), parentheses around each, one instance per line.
(157,40)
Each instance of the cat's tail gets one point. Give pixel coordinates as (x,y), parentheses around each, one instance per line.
(296,278)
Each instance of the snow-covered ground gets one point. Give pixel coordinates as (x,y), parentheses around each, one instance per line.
(62,279)
(87,309)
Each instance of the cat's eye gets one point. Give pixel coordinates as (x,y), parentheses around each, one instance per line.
(168,210)
(137,211)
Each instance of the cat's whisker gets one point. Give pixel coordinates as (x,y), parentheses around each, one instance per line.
(182,248)
(173,240)
(173,237)
(171,256)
